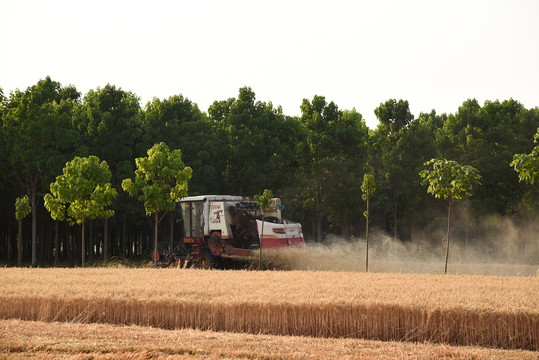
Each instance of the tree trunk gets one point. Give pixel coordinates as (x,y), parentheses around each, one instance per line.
(75,243)
(367,238)
(42,242)
(68,245)
(345,228)
(34,229)
(19,245)
(261,236)
(83,245)
(56,243)
(49,243)
(313,227)
(466,239)
(117,241)
(318,215)
(106,241)
(155,234)
(319,227)
(91,243)
(448,233)
(124,232)
(395,221)
(9,242)
(171,241)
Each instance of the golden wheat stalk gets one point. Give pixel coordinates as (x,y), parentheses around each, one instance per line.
(460,310)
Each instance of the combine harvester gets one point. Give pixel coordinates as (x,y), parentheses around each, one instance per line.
(224,231)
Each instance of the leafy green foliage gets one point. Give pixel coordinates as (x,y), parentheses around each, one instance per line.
(334,155)
(179,123)
(254,138)
(82,192)
(37,128)
(400,147)
(22,207)
(161,179)
(111,121)
(451,181)
(448,179)
(264,199)
(242,146)
(486,137)
(368,187)
(527,165)
(393,115)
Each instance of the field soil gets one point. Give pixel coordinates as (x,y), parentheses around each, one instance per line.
(30,339)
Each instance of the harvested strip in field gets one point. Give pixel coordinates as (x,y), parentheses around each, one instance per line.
(463,310)
(23,339)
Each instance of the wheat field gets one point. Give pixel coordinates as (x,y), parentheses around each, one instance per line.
(500,312)
(25,339)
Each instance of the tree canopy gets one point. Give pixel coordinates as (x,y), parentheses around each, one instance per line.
(83,192)
(448,180)
(241,145)
(527,165)
(161,179)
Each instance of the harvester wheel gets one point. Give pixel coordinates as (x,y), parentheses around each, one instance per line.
(215,239)
(206,260)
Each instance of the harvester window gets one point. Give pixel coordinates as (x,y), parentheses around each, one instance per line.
(193,221)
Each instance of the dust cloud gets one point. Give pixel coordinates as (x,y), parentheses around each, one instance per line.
(494,246)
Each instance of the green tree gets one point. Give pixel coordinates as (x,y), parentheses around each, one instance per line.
(394,119)
(333,155)
(394,115)
(179,123)
(450,181)
(399,147)
(349,160)
(258,139)
(416,145)
(527,165)
(110,120)
(487,137)
(368,187)
(161,179)
(81,193)
(22,210)
(38,131)
(264,201)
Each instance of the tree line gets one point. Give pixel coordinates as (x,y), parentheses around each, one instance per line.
(314,162)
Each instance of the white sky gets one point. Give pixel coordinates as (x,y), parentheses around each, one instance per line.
(435,54)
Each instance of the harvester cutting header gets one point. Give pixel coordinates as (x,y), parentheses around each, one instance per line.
(226,231)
